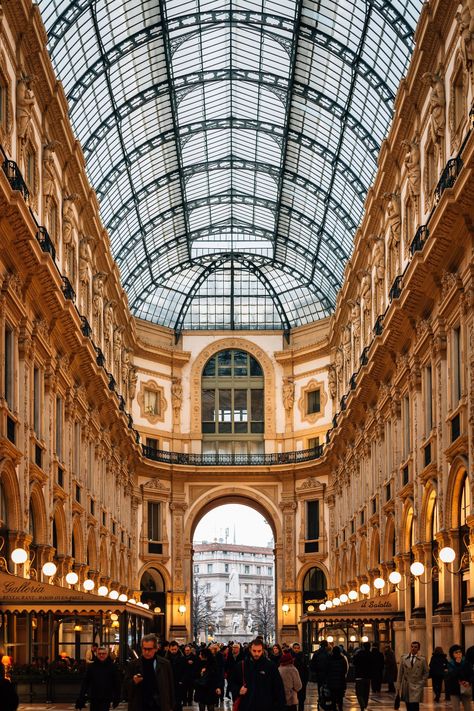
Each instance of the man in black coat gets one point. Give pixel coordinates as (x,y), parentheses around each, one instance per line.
(190,671)
(257,682)
(101,684)
(302,666)
(362,662)
(378,662)
(318,665)
(148,680)
(178,665)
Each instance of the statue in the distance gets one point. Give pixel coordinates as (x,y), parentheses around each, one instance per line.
(234,586)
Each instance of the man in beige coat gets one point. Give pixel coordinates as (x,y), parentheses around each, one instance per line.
(412,675)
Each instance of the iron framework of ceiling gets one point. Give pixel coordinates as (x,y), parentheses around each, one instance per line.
(231,149)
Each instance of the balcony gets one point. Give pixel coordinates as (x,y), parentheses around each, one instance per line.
(13,174)
(85,327)
(46,242)
(448,177)
(419,239)
(364,356)
(231,460)
(68,291)
(396,289)
(378,326)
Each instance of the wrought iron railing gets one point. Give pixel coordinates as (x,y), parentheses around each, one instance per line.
(418,241)
(232,460)
(378,326)
(86,327)
(448,177)
(396,289)
(68,291)
(13,173)
(45,241)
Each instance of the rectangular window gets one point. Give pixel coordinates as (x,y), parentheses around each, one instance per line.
(256,408)
(457,372)
(406,427)
(313,442)
(226,567)
(227,587)
(208,406)
(154,521)
(37,401)
(9,367)
(259,570)
(209,567)
(247,569)
(77,449)
(312,526)
(152,444)
(152,402)
(208,587)
(59,427)
(269,570)
(428,400)
(196,568)
(313,402)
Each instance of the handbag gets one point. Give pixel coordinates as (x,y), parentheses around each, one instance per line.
(396,702)
(236,704)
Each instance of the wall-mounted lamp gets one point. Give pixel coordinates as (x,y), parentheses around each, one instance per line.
(77,627)
(285,608)
(72,578)
(352,595)
(49,569)
(364,589)
(310,608)
(19,556)
(88,584)
(330,638)
(364,638)
(122,597)
(6,662)
(103,591)
(343,598)
(182,609)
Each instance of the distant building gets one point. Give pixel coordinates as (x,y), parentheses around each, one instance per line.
(255,565)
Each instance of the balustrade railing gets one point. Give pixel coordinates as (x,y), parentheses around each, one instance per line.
(232,460)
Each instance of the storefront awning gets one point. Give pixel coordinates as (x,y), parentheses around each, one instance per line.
(377,608)
(24,595)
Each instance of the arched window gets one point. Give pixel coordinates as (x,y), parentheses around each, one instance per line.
(232,404)
(315,582)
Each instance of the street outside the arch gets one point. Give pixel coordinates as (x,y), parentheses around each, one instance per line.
(382,702)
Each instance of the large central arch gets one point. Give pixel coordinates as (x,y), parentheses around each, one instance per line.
(247,495)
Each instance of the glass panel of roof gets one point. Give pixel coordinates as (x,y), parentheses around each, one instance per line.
(248,127)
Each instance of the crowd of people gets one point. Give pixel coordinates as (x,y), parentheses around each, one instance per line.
(168,676)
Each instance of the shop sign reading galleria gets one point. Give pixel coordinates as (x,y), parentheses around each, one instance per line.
(15,589)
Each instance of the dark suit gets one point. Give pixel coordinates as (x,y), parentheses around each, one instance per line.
(164,685)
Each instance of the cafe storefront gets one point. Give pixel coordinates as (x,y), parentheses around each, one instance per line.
(46,630)
(368,620)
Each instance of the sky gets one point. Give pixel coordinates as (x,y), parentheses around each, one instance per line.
(250,527)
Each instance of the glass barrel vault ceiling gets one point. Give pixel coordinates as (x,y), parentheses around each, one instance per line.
(231,144)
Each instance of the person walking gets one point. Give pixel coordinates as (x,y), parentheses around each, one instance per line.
(318,664)
(412,675)
(149,684)
(336,676)
(438,670)
(178,664)
(459,679)
(291,681)
(302,666)
(378,661)
(190,669)
(362,661)
(234,656)
(101,683)
(257,682)
(275,654)
(390,668)
(208,688)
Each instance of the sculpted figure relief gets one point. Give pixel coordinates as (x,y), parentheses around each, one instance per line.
(378,258)
(117,343)
(355,318)
(394,218)
(176,395)
(84,259)
(98,283)
(25,100)
(68,218)
(48,171)
(412,163)
(365,289)
(288,393)
(332,381)
(437,105)
(465,20)
(108,319)
(132,382)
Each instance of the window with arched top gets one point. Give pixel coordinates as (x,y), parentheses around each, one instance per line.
(314,588)
(232,410)
(3,507)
